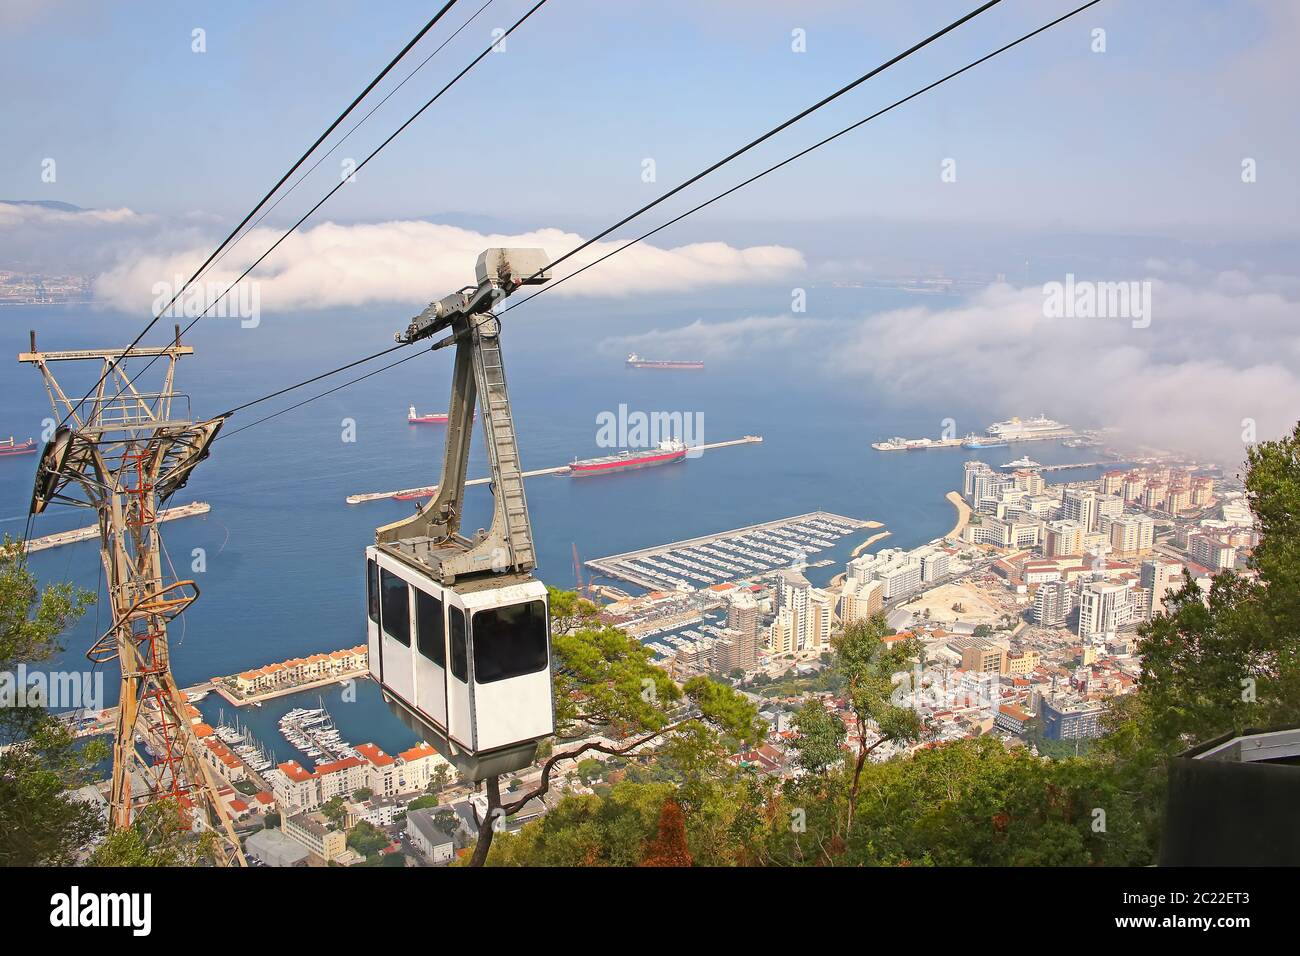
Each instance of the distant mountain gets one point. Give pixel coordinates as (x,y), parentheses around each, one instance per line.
(44,203)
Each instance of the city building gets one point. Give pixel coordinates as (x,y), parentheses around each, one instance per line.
(1132,534)
(1162,577)
(1063,538)
(859,601)
(1070,721)
(1208,550)
(434,843)
(317,834)
(1080,504)
(1104,607)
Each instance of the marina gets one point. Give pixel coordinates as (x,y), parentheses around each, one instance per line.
(313,733)
(730,555)
(241,741)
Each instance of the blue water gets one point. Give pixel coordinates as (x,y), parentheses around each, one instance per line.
(283,551)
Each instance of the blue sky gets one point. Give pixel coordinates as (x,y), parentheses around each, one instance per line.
(1122,164)
(1146,137)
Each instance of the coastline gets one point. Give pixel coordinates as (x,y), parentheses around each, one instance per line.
(963,514)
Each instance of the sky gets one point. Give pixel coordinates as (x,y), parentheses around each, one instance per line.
(1115,154)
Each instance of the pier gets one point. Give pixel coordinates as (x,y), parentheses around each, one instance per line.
(428,491)
(86,534)
(738,554)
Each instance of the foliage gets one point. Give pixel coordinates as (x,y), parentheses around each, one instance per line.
(821,735)
(158,836)
(366,838)
(669,845)
(40,760)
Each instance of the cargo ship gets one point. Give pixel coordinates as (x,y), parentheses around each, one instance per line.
(413,418)
(667,453)
(636,361)
(412,493)
(11,447)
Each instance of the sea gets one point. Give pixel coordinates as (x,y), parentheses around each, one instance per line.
(279,558)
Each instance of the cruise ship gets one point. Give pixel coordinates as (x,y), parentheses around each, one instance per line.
(1018,429)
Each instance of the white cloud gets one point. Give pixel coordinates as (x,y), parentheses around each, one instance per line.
(333,265)
(1213,356)
(29,215)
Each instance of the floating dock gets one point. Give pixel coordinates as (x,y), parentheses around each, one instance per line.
(86,534)
(730,555)
(428,491)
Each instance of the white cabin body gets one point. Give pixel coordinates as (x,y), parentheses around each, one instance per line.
(472,660)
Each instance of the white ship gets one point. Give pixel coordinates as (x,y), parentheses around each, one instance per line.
(1022,462)
(1018,429)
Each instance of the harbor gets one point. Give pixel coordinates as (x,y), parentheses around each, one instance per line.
(313,733)
(997,435)
(730,555)
(428,491)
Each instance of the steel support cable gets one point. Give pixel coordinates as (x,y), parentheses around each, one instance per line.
(294,168)
(848,87)
(803,152)
(790,159)
(331,391)
(292,229)
(371,112)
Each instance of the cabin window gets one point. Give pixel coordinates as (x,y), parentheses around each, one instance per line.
(456,630)
(509,641)
(428,628)
(372,590)
(396,598)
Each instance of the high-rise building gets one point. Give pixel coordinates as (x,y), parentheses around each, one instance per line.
(734,650)
(1132,534)
(1062,538)
(1053,603)
(1104,607)
(1080,504)
(970,471)
(816,634)
(860,600)
(1030,482)
(1208,550)
(811,611)
(1070,721)
(1135,486)
(1112,483)
(1202,491)
(1178,499)
(781,635)
(1153,498)
(934,565)
(1162,577)
(742,612)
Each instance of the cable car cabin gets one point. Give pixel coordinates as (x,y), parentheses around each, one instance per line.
(467,666)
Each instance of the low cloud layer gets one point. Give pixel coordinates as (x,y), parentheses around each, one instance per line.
(1213,356)
(330,265)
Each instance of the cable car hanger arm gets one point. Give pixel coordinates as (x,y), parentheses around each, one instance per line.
(432,537)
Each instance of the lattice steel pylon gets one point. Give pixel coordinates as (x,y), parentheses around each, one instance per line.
(122,453)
